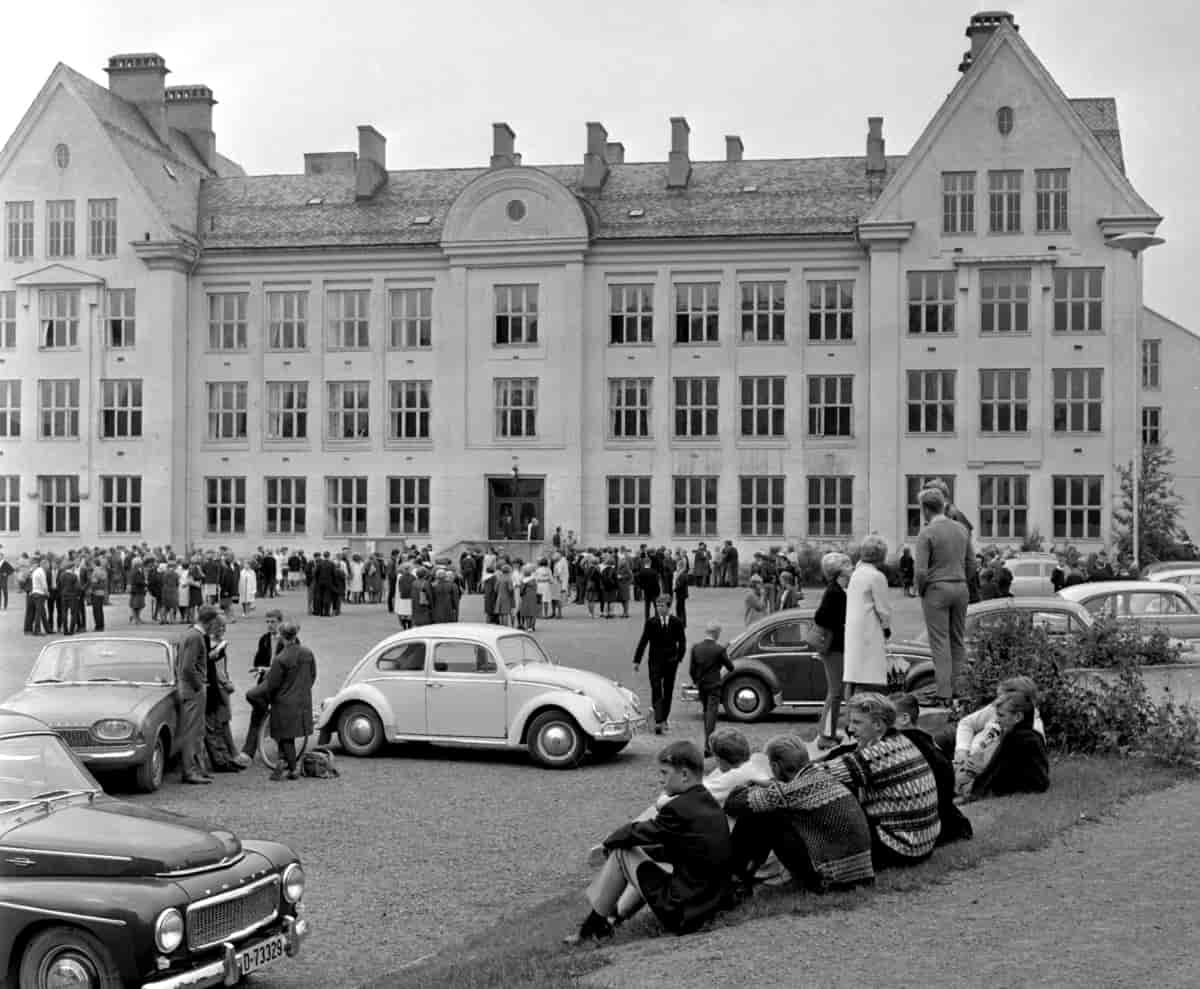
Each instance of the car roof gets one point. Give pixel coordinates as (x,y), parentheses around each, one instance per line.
(1081,592)
(475,631)
(16,723)
(75,639)
(1031,603)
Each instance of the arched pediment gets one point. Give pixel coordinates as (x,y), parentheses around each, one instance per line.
(519,207)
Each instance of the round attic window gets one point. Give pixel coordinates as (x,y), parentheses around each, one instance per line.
(62,155)
(1004,120)
(515,210)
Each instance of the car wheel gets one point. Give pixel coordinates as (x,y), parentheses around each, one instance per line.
(359,730)
(67,956)
(608,750)
(924,689)
(556,741)
(747,699)
(149,775)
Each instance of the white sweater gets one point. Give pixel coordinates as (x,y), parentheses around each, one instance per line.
(976,722)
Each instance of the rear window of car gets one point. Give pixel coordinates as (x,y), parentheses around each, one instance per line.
(788,636)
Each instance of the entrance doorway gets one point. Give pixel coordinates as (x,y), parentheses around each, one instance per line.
(514,503)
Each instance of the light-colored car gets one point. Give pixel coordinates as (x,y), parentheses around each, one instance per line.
(1185,576)
(487,686)
(1031,574)
(1152,604)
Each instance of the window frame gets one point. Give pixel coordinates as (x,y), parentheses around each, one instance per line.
(120,499)
(516,305)
(630,305)
(102,228)
(336,505)
(58,330)
(10,503)
(623,413)
(120,318)
(341,415)
(697,313)
(1152,428)
(414,408)
(1052,201)
(820,312)
(689,406)
(224,493)
(1013,298)
(762,501)
(285,496)
(10,408)
(630,509)
(18,229)
(822,510)
(695,514)
(227,332)
(1152,364)
(58,493)
(1067,507)
(287,319)
(765,417)
(280,411)
(958,204)
(992,379)
(1070,406)
(347,319)
(1003,506)
(122,402)
(409,496)
(69,410)
(508,412)
(763,312)
(60,230)
(1068,304)
(942,406)
(922,304)
(1004,200)
(230,410)
(408,329)
(820,411)
(8,320)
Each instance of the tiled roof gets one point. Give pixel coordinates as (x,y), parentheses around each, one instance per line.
(1099,114)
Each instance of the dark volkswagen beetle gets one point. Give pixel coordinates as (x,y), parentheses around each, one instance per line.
(96,893)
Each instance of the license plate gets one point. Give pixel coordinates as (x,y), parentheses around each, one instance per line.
(263,953)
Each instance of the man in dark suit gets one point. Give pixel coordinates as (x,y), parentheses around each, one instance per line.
(191,684)
(665,638)
(267,575)
(269,644)
(646,581)
(69,595)
(709,658)
(322,585)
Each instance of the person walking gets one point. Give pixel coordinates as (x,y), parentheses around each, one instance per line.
(664,636)
(191,686)
(709,660)
(289,692)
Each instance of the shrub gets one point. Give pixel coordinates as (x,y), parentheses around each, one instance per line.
(1110,644)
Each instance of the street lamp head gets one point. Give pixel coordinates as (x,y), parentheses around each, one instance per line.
(1134,242)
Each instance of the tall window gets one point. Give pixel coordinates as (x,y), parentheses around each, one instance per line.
(349,319)
(830,506)
(695,505)
(1004,202)
(8,320)
(60,228)
(931,297)
(346,505)
(630,314)
(225,505)
(102,228)
(1004,400)
(516,407)
(227,321)
(1078,399)
(59,312)
(287,410)
(18,230)
(516,314)
(121,408)
(1077,506)
(409,405)
(1052,195)
(349,410)
(763,312)
(10,408)
(1152,364)
(1151,425)
(762,406)
(287,320)
(830,405)
(696,407)
(697,312)
(1078,300)
(830,311)
(629,505)
(408,506)
(914,484)
(958,202)
(120,503)
(227,410)
(410,318)
(629,408)
(58,406)
(931,401)
(287,505)
(59,494)
(1003,506)
(761,505)
(1004,300)
(10,502)
(119,324)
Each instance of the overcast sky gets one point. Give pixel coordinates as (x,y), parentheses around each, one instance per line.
(793,78)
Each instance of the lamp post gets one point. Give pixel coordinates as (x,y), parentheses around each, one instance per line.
(1135,243)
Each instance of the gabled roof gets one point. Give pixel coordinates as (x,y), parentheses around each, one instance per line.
(1099,115)
(1156,315)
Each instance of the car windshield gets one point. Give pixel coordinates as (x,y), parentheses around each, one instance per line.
(517,649)
(101,660)
(38,766)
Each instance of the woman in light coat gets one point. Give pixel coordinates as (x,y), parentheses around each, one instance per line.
(868,621)
(247,587)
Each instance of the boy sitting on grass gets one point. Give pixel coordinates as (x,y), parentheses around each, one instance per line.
(955,825)
(1018,764)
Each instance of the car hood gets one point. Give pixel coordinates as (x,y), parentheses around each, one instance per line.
(599,688)
(67,705)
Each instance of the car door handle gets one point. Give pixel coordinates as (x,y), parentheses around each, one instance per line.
(21,862)
(430,685)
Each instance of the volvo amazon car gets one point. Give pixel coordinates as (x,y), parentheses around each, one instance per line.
(487,686)
(1154,605)
(96,893)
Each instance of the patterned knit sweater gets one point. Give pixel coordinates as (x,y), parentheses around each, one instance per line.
(896,788)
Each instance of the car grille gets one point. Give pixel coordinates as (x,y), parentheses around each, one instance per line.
(77,738)
(226,916)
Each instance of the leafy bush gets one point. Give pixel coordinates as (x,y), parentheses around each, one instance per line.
(1110,644)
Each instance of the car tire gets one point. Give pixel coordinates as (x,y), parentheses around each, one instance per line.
(747,698)
(555,740)
(77,954)
(360,730)
(608,750)
(148,777)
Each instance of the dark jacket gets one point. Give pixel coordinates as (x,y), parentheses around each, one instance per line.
(708,659)
(191,663)
(1020,765)
(266,569)
(666,643)
(68,585)
(228,582)
(955,825)
(289,690)
(262,655)
(831,614)
(445,601)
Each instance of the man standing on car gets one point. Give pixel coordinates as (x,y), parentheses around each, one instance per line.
(191,684)
(665,637)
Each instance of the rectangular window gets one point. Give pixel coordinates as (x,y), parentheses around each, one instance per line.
(697,313)
(410,318)
(629,505)
(830,405)
(1152,364)
(10,408)
(1004,300)
(1077,506)
(914,484)
(10,502)
(630,314)
(696,407)
(18,230)
(761,505)
(763,312)
(225,505)
(1004,202)
(408,506)
(695,506)
(349,319)
(121,408)
(60,228)
(59,494)
(762,406)
(1078,300)
(59,313)
(1151,425)
(1052,195)
(931,296)
(516,314)
(287,320)
(102,228)
(629,408)
(349,410)
(516,407)
(227,321)
(119,325)
(226,410)
(830,506)
(287,410)
(1003,506)
(58,405)
(1078,399)
(830,311)
(120,503)
(958,202)
(1004,400)
(409,405)
(287,505)
(931,401)
(8,320)
(346,506)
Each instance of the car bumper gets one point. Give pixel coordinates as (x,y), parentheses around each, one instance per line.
(620,730)
(691,693)
(110,757)
(224,971)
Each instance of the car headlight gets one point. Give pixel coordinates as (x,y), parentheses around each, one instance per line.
(113,730)
(293,883)
(634,703)
(168,930)
(600,713)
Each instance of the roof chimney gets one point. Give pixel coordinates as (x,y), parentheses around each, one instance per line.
(504,143)
(614,152)
(734,149)
(595,163)
(189,109)
(679,165)
(875,158)
(370,172)
(980,30)
(139,79)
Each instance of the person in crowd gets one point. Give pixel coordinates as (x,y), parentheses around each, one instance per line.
(39,591)
(682,580)
(268,575)
(977,735)
(506,598)
(527,603)
(489,588)
(610,584)
(559,584)
(195,590)
(269,644)
(987,584)
(289,686)
(541,577)
(954,824)
(790,595)
(709,660)
(247,588)
(191,685)
(341,573)
(446,595)
(137,591)
(646,581)
(868,621)
(228,589)
(402,601)
(1003,581)
(210,571)
(220,749)
(169,605)
(1018,763)
(624,582)
(701,566)
(830,615)
(154,587)
(756,605)
(6,572)
(907,567)
(354,582)
(97,593)
(663,635)
(422,597)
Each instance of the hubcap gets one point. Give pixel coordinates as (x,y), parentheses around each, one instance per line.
(360,730)
(746,699)
(68,972)
(557,740)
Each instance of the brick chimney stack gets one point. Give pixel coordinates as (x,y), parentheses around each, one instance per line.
(679,165)
(876,162)
(140,78)
(189,109)
(370,170)
(614,152)
(504,143)
(595,160)
(734,149)
(980,30)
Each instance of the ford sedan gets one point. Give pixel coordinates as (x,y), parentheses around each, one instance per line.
(487,686)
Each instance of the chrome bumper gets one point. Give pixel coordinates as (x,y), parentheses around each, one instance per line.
(620,729)
(224,971)
(113,758)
